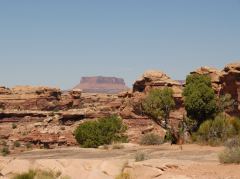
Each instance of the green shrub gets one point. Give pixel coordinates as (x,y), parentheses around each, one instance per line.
(217,131)
(17,144)
(26,175)
(230,155)
(225,103)
(117,146)
(199,98)
(38,174)
(123,176)
(5,151)
(28,145)
(100,132)
(14,126)
(46,175)
(232,152)
(233,142)
(168,136)
(189,124)
(151,139)
(158,105)
(140,156)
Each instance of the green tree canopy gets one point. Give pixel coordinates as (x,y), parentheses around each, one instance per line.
(158,104)
(199,97)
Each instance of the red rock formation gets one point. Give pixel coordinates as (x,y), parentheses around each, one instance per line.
(41,112)
(157,79)
(100,84)
(36,98)
(225,81)
(214,74)
(151,79)
(230,83)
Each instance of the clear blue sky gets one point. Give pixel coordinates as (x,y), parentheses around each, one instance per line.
(55,42)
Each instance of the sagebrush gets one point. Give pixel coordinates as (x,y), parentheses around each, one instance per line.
(218,130)
(151,139)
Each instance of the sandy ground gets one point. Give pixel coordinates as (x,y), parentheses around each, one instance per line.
(164,162)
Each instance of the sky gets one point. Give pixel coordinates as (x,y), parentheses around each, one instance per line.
(56,42)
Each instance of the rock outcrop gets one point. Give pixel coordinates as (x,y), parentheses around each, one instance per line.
(131,109)
(37,98)
(100,84)
(157,79)
(214,74)
(47,117)
(230,83)
(224,82)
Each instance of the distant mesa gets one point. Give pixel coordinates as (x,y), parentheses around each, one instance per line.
(102,84)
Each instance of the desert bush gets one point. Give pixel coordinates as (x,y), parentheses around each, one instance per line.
(38,174)
(158,104)
(233,142)
(140,156)
(168,136)
(5,151)
(151,139)
(217,131)
(26,175)
(232,152)
(225,103)
(103,131)
(28,145)
(230,155)
(14,126)
(117,146)
(199,98)
(123,176)
(189,124)
(16,144)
